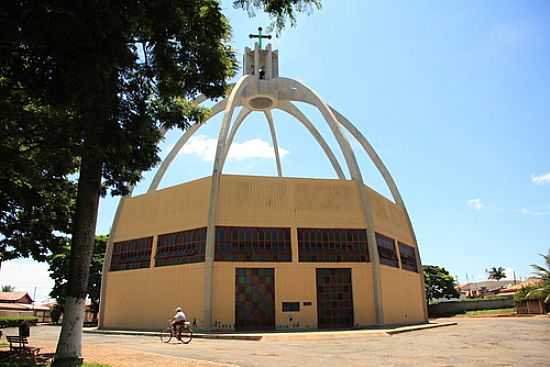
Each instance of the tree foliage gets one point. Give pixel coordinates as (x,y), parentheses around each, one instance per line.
(8,288)
(496,273)
(281,11)
(89,87)
(36,196)
(542,273)
(439,283)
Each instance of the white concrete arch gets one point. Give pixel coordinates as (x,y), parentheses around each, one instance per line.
(269,118)
(390,183)
(243,114)
(109,246)
(159,175)
(293,111)
(233,101)
(297,91)
(282,91)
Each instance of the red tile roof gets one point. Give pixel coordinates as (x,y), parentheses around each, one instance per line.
(21,297)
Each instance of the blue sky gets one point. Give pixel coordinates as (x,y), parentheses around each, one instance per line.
(454,96)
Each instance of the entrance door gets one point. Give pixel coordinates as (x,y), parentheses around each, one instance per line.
(254,299)
(334,298)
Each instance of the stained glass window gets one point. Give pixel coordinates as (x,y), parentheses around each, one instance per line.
(132,254)
(252,244)
(408,257)
(181,247)
(332,245)
(386,250)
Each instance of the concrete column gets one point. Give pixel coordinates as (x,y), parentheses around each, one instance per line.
(256,60)
(305,94)
(390,183)
(107,259)
(114,226)
(294,244)
(269,63)
(154,251)
(269,118)
(232,101)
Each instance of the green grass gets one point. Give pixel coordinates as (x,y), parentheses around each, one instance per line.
(490,312)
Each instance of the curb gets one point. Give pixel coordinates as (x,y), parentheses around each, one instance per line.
(285,336)
(157,334)
(407,329)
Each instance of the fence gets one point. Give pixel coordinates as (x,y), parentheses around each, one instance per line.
(456,307)
(532,306)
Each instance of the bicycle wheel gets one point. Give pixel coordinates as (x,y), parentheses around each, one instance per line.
(166,335)
(186,336)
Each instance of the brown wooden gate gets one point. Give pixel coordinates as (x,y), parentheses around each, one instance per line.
(334,298)
(254,299)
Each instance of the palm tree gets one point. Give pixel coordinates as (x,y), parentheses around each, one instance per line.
(496,273)
(543,274)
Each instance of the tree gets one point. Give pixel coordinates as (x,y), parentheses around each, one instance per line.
(59,272)
(36,197)
(8,288)
(109,77)
(439,283)
(496,273)
(543,274)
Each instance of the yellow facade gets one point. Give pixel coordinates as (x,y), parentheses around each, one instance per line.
(146,298)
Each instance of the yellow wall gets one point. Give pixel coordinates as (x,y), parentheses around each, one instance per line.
(293,283)
(152,294)
(168,210)
(147,298)
(401,296)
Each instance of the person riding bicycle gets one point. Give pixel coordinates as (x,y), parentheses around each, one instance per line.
(179,319)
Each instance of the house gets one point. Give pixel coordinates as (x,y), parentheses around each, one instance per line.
(532,305)
(17,304)
(484,288)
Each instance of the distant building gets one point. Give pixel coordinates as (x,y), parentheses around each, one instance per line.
(16,304)
(484,288)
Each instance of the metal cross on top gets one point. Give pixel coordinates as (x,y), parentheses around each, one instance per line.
(260,36)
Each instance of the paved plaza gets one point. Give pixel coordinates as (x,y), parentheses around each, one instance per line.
(509,341)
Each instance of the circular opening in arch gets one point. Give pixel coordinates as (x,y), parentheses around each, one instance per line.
(260,103)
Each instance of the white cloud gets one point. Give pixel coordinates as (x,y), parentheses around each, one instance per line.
(475,204)
(205,148)
(541,179)
(532,212)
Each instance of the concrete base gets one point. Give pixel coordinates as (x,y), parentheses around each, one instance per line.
(286,335)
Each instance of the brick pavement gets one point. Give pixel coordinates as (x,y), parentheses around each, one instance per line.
(474,342)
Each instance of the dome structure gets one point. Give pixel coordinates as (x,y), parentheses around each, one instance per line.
(250,253)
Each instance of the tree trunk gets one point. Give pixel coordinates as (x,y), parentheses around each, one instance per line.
(69,345)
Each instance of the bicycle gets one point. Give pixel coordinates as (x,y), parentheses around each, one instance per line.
(183,334)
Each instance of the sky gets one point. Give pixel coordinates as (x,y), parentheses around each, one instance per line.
(455,98)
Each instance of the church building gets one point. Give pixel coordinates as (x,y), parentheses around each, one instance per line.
(265,253)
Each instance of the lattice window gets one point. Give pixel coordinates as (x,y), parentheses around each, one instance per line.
(252,244)
(132,254)
(386,250)
(408,257)
(181,247)
(332,245)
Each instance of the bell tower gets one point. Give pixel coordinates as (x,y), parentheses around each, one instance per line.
(262,63)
